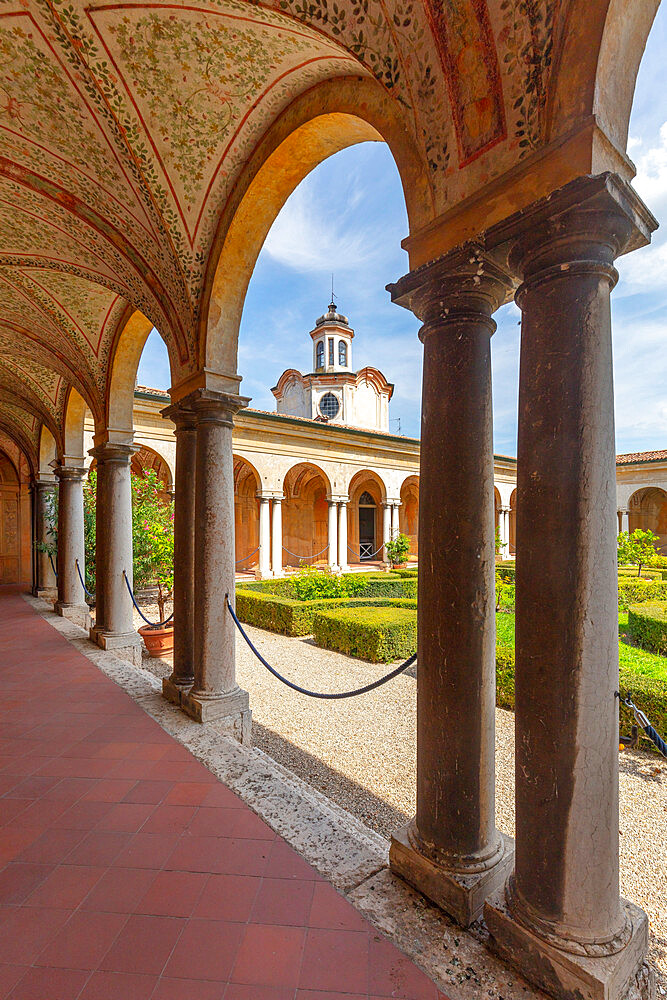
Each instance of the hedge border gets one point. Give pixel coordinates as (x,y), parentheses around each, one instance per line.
(647,624)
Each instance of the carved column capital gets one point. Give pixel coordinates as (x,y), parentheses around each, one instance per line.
(209,406)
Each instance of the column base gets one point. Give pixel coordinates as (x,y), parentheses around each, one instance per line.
(126,645)
(460,894)
(264,574)
(46,594)
(232,709)
(173,692)
(77,613)
(563,974)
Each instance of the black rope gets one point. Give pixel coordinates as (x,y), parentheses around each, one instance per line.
(643,722)
(318,694)
(148,622)
(55,571)
(85,589)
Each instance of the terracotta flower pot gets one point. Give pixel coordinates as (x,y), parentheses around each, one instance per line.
(158,641)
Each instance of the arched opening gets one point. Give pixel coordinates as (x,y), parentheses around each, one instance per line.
(148,460)
(246,515)
(512,516)
(409,514)
(648,510)
(15,534)
(364,524)
(305,511)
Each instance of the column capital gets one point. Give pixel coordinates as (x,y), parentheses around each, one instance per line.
(465,285)
(70,472)
(277,495)
(181,415)
(112,451)
(338,498)
(209,406)
(43,481)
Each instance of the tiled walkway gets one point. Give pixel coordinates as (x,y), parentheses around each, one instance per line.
(128,872)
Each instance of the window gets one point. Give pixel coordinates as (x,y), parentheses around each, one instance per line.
(366,500)
(320,355)
(329,405)
(331,351)
(342,353)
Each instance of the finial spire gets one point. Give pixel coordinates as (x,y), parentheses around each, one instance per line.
(333,298)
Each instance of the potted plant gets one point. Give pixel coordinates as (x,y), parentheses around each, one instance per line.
(153,540)
(398,550)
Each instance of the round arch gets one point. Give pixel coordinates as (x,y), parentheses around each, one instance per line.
(73,438)
(367,492)
(129,343)
(326,119)
(15,522)
(48,451)
(647,509)
(304,517)
(147,459)
(408,517)
(246,514)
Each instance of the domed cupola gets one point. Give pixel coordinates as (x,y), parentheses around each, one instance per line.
(332,317)
(332,342)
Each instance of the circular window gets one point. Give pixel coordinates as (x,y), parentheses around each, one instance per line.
(329,405)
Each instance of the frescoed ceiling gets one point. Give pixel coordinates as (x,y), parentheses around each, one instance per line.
(124,128)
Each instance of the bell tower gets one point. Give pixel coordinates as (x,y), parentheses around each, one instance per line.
(332,342)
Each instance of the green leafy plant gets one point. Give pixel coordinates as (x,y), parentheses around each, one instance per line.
(310,583)
(152,537)
(498,541)
(637,548)
(398,549)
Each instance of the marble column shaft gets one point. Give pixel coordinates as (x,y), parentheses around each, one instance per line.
(332,536)
(277,537)
(452,851)
(45,577)
(264,561)
(386,528)
(342,536)
(71,544)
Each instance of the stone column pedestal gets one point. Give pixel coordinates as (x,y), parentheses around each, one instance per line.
(71,601)
(452,851)
(114,625)
(46,585)
(215,696)
(560,918)
(182,677)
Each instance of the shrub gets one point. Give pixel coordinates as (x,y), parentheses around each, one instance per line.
(505,596)
(505,574)
(311,583)
(647,624)
(398,549)
(379,634)
(384,585)
(636,591)
(294,618)
(637,548)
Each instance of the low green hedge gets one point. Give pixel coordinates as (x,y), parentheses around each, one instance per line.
(505,574)
(505,596)
(637,591)
(647,624)
(378,634)
(295,618)
(386,585)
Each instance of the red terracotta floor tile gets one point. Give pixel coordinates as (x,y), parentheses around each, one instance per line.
(26,931)
(119,986)
(269,956)
(170,819)
(83,941)
(9,977)
(18,880)
(147,850)
(392,974)
(206,949)
(284,862)
(187,793)
(220,795)
(223,822)
(130,952)
(188,989)
(228,897)
(173,894)
(54,984)
(335,960)
(126,817)
(149,791)
(328,995)
(110,789)
(33,787)
(119,890)
(220,855)
(83,815)
(237,991)
(283,901)
(65,887)
(52,847)
(98,848)
(331,910)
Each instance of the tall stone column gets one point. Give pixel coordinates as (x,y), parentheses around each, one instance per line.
(44,491)
(182,676)
(342,536)
(625,520)
(215,695)
(395,519)
(560,918)
(332,534)
(504,531)
(452,851)
(386,528)
(114,626)
(277,536)
(71,601)
(264,560)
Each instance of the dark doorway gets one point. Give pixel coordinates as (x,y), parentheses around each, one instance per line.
(366,526)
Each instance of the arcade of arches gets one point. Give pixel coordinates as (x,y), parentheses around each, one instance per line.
(145,155)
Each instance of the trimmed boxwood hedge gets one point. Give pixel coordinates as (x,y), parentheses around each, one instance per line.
(636,591)
(647,624)
(294,618)
(378,634)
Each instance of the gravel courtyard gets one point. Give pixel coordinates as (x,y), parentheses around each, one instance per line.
(361,753)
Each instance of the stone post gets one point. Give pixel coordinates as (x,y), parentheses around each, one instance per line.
(114,626)
(386,528)
(395,519)
(277,536)
(342,536)
(332,534)
(452,851)
(625,520)
(46,584)
(182,676)
(264,561)
(504,531)
(71,601)
(560,919)
(215,695)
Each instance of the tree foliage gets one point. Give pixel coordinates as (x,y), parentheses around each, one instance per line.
(637,548)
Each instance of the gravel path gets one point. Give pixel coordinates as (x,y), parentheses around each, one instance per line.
(361,753)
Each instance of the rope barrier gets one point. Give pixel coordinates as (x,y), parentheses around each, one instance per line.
(643,723)
(247,557)
(295,556)
(371,556)
(318,694)
(83,583)
(147,620)
(55,571)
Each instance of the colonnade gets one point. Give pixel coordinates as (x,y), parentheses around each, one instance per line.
(551,900)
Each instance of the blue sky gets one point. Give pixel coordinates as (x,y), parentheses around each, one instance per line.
(348,217)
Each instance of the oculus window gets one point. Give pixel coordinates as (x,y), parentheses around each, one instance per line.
(329,405)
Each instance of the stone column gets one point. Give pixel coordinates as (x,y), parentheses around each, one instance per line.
(452,851)
(504,531)
(395,519)
(114,626)
(71,601)
(342,536)
(386,528)
(264,562)
(625,520)
(332,534)
(182,676)
(560,918)
(277,536)
(215,695)
(46,584)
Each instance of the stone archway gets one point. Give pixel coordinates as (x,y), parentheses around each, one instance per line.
(305,512)
(246,514)
(409,513)
(14,525)
(147,460)
(648,510)
(364,524)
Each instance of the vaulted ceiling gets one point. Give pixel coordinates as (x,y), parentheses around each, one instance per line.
(125,127)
